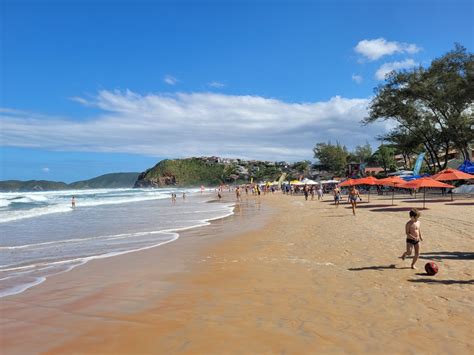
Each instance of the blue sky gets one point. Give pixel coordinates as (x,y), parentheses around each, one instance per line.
(91,87)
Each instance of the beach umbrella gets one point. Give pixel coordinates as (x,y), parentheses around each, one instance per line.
(452,174)
(369,180)
(423,183)
(348,182)
(392,181)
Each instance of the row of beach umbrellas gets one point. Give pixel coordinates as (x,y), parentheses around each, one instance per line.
(422,183)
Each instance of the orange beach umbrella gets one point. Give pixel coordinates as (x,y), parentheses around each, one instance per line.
(392,181)
(348,182)
(452,174)
(369,180)
(423,183)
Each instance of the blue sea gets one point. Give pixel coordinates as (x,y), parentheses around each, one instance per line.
(42,235)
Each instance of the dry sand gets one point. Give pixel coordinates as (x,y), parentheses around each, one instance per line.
(281,276)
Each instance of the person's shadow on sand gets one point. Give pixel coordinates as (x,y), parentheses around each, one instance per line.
(443,282)
(378,268)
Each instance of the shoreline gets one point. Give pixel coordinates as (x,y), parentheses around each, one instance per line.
(299,277)
(78,284)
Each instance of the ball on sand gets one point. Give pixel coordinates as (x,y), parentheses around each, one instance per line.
(431,268)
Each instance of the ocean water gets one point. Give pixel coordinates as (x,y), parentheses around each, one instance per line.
(41,235)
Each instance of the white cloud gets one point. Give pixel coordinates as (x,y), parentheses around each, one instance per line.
(388,67)
(357,78)
(45,170)
(216,84)
(170,80)
(194,124)
(374,49)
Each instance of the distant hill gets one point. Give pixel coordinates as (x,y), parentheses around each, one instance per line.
(114,180)
(110,181)
(215,170)
(32,185)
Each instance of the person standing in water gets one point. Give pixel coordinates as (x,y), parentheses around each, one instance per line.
(73,202)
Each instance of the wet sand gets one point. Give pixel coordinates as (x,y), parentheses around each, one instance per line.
(282,276)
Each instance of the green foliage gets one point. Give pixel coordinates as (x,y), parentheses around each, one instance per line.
(433,106)
(331,157)
(269,173)
(190,172)
(32,185)
(115,180)
(363,153)
(385,157)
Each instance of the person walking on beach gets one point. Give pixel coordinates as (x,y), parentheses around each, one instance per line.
(413,234)
(320,193)
(237,193)
(305,192)
(337,196)
(73,202)
(311,191)
(353,196)
(184,196)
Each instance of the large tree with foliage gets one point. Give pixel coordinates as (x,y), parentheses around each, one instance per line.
(363,153)
(385,157)
(433,106)
(331,157)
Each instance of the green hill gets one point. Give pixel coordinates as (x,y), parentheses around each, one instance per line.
(183,172)
(214,171)
(107,181)
(32,185)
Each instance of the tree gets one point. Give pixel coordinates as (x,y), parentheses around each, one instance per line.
(302,167)
(331,157)
(434,106)
(404,143)
(385,157)
(363,153)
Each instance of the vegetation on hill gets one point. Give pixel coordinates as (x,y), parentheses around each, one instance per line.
(110,181)
(215,171)
(32,185)
(114,180)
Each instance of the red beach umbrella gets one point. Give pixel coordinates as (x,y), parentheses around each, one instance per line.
(392,181)
(452,174)
(348,182)
(369,180)
(423,183)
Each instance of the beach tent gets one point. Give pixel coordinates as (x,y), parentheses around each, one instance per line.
(392,181)
(452,174)
(309,182)
(424,183)
(325,182)
(296,182)
(467,167)
(464,189)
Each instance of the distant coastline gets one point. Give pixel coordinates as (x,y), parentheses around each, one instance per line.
(114,180)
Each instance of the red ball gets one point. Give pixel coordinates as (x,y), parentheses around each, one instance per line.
(431,268)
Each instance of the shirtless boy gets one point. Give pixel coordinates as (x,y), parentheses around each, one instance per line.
(413,232)
(337,196)
(353,196)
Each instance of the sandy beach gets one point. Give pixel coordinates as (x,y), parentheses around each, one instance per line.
(282,275)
